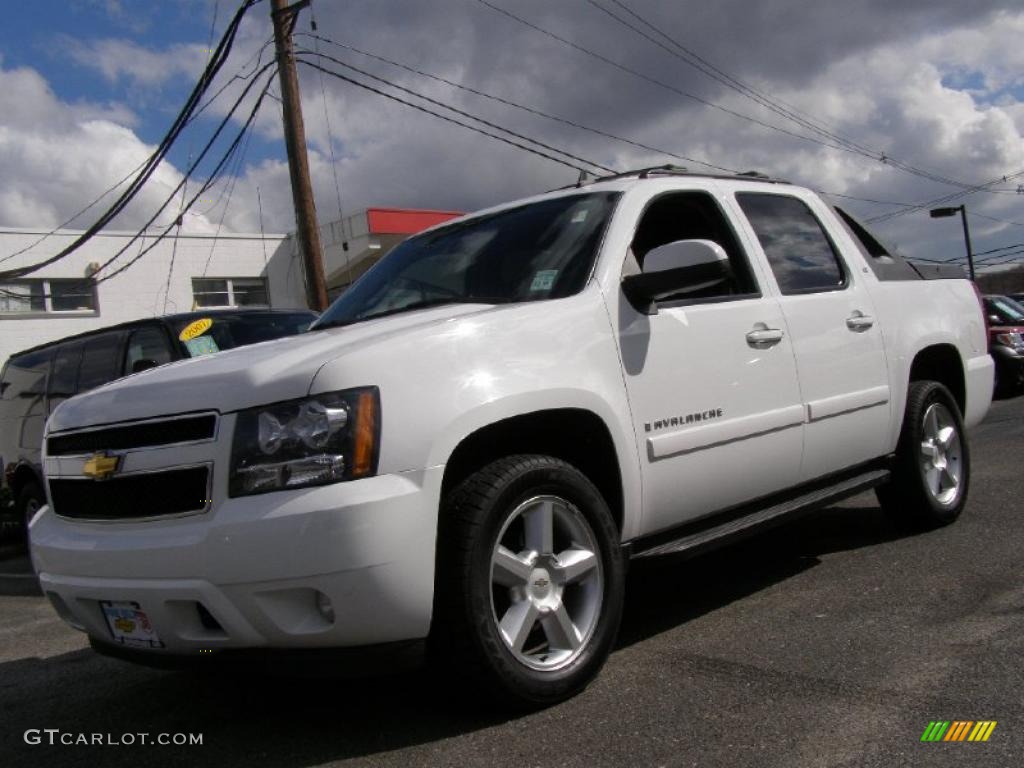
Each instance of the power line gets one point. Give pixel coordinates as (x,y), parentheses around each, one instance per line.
(656,81)
(941,200)
(227,203)
(524,108)
(449,119)
(457,111)
(217,60)
(692,59)
(224,159)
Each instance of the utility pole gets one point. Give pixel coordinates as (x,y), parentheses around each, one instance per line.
(283,17)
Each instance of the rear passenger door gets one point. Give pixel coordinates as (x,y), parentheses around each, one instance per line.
(840,355)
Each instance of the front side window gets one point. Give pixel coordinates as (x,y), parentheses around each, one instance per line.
(1007,311)
(147,343)
(801,255)
(694,216)
(538,251)
(48,295)
(229,292)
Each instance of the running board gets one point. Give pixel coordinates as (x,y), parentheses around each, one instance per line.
(690,541)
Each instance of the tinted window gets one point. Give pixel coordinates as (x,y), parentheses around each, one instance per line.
(800,253)
(1007,310)
(147,343)
(64,381)
(22,402)
(537,251)
(25,376)
(694,216)
(100,361)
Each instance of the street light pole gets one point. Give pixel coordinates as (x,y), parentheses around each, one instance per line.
(941,213)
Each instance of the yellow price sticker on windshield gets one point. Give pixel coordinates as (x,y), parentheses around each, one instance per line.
(197,328)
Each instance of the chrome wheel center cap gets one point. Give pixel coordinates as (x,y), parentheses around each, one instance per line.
(541,585)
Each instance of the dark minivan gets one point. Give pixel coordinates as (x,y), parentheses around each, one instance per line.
(37,380)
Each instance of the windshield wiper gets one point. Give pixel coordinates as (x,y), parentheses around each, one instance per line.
(425,304)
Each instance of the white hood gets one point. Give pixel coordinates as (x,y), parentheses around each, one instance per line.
(240,378)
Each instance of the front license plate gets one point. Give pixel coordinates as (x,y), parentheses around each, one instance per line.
(129,624)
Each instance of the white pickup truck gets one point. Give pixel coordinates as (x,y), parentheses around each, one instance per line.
(465,451)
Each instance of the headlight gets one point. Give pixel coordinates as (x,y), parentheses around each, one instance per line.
(1010,339)
(313,441)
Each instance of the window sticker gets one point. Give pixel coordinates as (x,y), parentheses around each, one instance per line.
(579,217)
(201,345)
(544,280)
(196,328)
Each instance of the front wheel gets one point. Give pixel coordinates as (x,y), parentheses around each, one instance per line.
(30,501)
(932,470)
(530,580)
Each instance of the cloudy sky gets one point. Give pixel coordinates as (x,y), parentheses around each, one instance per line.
(900,102)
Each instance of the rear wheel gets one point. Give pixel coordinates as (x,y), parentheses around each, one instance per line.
(530,580)
(931,473)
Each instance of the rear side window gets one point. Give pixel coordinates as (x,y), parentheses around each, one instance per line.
(147,343)
(25,377)
(64,381)
(100,361)
(799,251)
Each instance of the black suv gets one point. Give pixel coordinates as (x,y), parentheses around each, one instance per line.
(37,380)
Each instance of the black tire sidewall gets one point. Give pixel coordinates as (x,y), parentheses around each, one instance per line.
(544,476)
(25,495)
(921,396)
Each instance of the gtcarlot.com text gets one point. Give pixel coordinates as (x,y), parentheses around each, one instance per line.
(57,737)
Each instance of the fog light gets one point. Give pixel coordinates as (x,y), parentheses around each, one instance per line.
(323,604)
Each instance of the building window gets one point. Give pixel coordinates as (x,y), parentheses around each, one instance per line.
(47,296)
(229,292)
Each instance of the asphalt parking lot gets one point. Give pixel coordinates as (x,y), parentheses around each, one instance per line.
(833,641)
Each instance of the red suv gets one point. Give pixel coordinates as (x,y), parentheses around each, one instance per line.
(1006,342)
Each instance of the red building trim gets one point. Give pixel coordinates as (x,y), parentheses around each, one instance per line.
(404,221)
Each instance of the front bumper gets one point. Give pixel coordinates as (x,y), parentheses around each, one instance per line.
(256,565)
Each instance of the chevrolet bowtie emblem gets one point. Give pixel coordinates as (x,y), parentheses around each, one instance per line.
(101,466)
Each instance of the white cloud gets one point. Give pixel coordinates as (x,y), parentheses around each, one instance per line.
(57,157)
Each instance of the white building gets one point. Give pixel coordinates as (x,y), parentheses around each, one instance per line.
(178,275)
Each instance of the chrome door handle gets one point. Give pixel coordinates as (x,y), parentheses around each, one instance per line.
(762,338)
(859,322)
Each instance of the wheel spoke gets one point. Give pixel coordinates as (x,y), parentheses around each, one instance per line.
(932,477)
(540,528)
(931,423)
(560,631)
(574,564)
(946,435)
(517,623)
(928,449)
(509,570)
(949,477)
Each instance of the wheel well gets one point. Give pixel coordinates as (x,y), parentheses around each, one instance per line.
(576,436)
(942,363)
(23,475)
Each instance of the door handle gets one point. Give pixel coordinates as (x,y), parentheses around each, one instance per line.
(762,338)
(859,322)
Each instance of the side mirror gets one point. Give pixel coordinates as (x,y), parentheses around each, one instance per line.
(143,364)
(683,266)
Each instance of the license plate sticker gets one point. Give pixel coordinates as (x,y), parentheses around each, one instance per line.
(129,624)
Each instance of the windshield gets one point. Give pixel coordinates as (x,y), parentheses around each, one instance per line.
(538,251)
(1007,310)
(221,331)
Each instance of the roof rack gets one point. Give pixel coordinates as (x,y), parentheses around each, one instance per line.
(677,170)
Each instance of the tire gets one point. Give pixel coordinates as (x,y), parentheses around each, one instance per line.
(530,581)
(30,499)
(932,469)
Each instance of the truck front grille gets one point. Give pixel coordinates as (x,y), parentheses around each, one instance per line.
(147,434)
(143,495)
